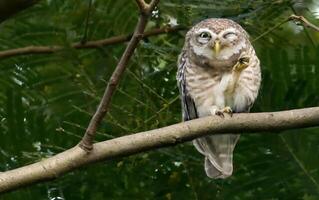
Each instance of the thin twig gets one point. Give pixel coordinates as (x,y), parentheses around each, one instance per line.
(296,19)
(300,164)
(305,30)
(146,86)
(270,30)
(87,140)
(86,28)
(126,37)
(304,21)
(88,45)
(162,109)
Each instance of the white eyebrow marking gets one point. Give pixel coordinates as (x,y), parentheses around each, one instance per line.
(227,30)
(205,30)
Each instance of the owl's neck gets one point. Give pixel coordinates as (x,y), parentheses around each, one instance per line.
(214,64)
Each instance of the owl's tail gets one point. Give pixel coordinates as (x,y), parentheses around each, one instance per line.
(218,152)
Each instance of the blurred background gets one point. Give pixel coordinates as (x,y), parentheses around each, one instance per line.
(47,100)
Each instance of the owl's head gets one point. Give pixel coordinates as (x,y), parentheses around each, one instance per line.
(214,41)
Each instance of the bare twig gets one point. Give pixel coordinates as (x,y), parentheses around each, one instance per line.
(294,18)
(311,40)
(87,140)
(300,164)
(123,38)
(71,159)
(87,45)
(86,27)
(304,21)
(270,30)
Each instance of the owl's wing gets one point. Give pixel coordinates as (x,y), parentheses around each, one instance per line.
(188,104)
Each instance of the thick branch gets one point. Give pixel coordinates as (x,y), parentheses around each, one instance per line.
(87,140)
(142,5)
(88,45)
(11,7)
(71,159)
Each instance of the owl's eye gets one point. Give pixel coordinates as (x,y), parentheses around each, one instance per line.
(205,35)
(229,35)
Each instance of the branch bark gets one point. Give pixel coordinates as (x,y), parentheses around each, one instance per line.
(304,21)
(126,37)
(74,158)
(145,12)
(88,45)
(298,20)
(11,7)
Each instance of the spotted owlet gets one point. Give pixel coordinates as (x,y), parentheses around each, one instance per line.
(218,72)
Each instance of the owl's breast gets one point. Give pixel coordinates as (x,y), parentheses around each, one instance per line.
(222,65)
(201,83)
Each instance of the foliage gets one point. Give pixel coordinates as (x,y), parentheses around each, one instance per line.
(47,101)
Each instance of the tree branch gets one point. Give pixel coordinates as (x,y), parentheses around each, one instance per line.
(74,158)
(298,20)
(87,45)
(142,5)
(304,21)
(87,140)
(124,38)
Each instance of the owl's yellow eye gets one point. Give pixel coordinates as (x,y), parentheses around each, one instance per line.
(205,35)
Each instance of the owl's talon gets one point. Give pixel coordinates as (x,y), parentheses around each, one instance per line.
(220,113)
(244,60)
(215,111)
(242,63)
(228,110)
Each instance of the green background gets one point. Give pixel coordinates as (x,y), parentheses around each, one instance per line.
(46,100)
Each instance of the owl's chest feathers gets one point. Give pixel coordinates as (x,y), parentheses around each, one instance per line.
(208,87)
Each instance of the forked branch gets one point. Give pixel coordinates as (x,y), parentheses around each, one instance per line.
(145,10)
(126,37)
(304,21)
(298,20)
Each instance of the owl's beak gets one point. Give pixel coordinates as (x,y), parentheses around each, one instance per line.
(216,48)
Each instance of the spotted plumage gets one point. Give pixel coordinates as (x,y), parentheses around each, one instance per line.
(218,72)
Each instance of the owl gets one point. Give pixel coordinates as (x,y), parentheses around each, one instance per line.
(218,74)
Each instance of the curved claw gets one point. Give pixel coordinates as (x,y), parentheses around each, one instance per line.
(242,63)
(221,112)
(228,110)
(244,60)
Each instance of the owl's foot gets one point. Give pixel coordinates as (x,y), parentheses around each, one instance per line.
(221,112)
(242,63)
(228,110)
